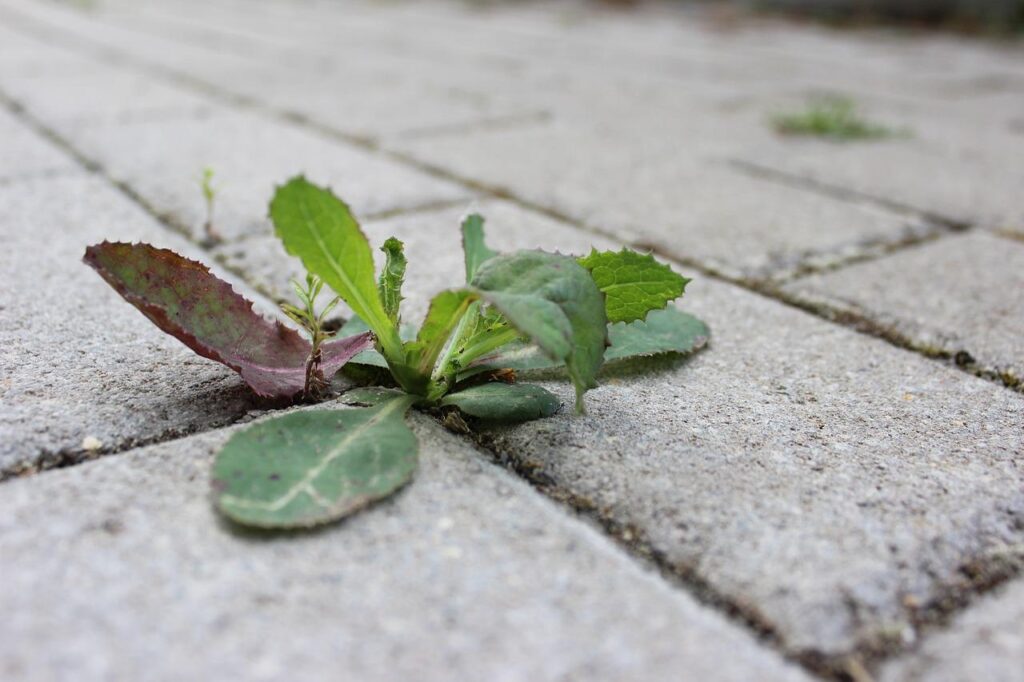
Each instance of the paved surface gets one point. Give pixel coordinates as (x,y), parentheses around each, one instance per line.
(834,488)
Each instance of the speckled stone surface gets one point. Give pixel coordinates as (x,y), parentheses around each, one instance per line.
(963,296)
(986,642)
(122,568)
(77,361)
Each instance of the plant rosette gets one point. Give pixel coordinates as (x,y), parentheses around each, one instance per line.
(517,313)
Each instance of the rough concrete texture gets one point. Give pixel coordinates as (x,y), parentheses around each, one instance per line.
(249,154)
(77,361)
(984,643)
(122,567)
(25,154)
(960,295)
(813,477)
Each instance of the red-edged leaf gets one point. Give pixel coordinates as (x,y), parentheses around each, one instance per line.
(190,303)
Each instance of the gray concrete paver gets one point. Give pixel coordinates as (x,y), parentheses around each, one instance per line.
(960,295)
(119,569)
(985,642)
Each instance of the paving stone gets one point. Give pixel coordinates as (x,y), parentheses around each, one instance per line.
(984,643)
(25,154)
(93,92)
(119,569)
(77,361)
(646,189)
(960,168)
(961,294)
(810,475)
(250,154)
(387,100)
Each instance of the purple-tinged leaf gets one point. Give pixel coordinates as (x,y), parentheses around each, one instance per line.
(183,298)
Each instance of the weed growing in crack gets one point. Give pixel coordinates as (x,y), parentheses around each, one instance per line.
(832,117)
(313,323)
(516,313)
(210,233)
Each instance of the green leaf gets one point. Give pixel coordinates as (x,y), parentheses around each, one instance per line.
(473,245)
(633,283)
(319,229)
(446,310)
(184,299)
(314,466)
(504,402)
(389,284)
(554,301)
(664,331)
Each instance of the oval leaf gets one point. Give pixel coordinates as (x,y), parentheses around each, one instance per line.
(504,402)
(319,229)
(310,467)
(183,298)
(633,283)
(554,301)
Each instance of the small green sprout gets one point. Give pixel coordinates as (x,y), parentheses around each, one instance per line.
(313,324)
(831,117)
(209,197)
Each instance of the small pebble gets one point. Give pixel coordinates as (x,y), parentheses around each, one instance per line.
(91,443)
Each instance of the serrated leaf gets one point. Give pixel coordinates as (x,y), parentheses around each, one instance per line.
(314,466)
(183,298)
(389,284)
(664,331)
(633,283)
(473,245)
(504,402)
(554,301)
(319,229)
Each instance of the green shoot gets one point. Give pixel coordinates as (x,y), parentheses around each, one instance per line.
(209,197)
(831,117)
(313,323)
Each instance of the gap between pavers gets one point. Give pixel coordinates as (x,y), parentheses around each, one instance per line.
(645,189)
(77,360)
(120,569)
(91,92)
(163,159)
(796,240)
(961,296)
(985,642)
(389,101)
(814,479)
(25,154)
(249,154)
